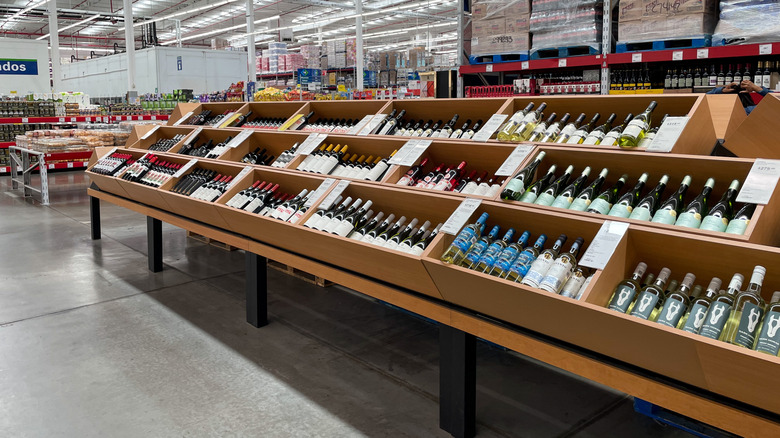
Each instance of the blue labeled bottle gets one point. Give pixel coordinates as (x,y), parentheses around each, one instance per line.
(523,262)
(463,241)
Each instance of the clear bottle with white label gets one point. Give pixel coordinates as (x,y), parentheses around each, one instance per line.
(649,301)
(562,268)
(693,319)
(677,303)
(627,290)
(720,309)
(743,323)
(542,264)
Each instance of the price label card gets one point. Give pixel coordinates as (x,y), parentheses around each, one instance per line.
(760,182)
(154,117)
(150,132)
(193,135)
(70,165)
(514,159)
(319,191)
(677,55)
(238,139)
(562,62)
(311,143)
(371,125)
(702,53)
(524,65)
(489,128)
(488,68)
(244,172)
(668,134)
(50,166)
(604,244)
(88,119)
(183,119)
(636,57)
(461,214)
(62,119)
(332,196)
(360,125)
(179,173)
(410,152)
(25,120)
(765,49)
(72,119)
(108,154)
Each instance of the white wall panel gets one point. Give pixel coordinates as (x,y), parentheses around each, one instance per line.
(22,82)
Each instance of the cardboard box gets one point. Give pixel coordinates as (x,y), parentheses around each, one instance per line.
(670,27)
(501,43)
(493,9)
(631,10)
(640,9)
(518,23)
(486,28)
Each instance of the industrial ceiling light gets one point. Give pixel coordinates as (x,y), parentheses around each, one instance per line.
(94,17)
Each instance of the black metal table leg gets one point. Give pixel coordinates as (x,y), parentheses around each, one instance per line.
(457,382)
(256,290)
(94,217)
(154,240)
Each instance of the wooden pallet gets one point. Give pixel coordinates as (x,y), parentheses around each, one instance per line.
(211,241)
(681,43)
(566,52)
(297,273)
(499,58)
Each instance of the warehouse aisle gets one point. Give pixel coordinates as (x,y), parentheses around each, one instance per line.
(92,344)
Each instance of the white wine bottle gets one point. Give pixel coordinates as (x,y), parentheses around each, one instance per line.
(539,132)
(526,127)
(646,207)
(523,262)
(479,247)
(583,200)
(677,302)
(742,326)
(568,130)
(578,136)
(458,132)
(697,311)
(422,244)
(396,239)
(645,142)
(551,192)
(627,290)
(720,309)
(692,214)
(562,268)
(350,221)
(538,187)
(495,265)
(488,257)
(668,211)
(636,129)
(603,202)
(553,131)
(362,230)
(626,203)
(649,301)
(611,139)
(598,133)
(409,241)
(739,224)
(718,217)
(542,264)
(769,336)
(505,134)
(567,195)
(463,241)
(517,185)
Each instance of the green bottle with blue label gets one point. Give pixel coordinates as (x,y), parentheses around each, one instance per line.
(677,303)
(463,241)
(626,203)
(649,301)
(479,247)
(720,214)
(626,290)
(668,211)
(508,255)
(646,206)
(603,202)
(720,309)
(742,326)
(524,260)
(567,195)
(769,334)
(692,215)
(697,311)
(551,192)
(741,220)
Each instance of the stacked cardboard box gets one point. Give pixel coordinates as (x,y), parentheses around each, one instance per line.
(566,23)
(651,20)
(500,26)
(311,54)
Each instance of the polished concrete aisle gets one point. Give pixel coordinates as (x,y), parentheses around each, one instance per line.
(94,345)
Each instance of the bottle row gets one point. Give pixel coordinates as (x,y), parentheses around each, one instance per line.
(580,196)
(335,161)
(546,269)
(739,317)
(451,178)
(204,184)
(265,199)
(149,170)
(394,124)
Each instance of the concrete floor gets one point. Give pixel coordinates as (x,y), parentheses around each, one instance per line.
(94,345)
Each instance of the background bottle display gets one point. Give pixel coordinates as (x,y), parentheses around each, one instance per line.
(647,303)
(768,339)
(720,309)
(742,325)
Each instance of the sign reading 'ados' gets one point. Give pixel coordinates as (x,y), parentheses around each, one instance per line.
(18,67)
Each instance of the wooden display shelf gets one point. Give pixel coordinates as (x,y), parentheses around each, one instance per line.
(727,113)
(163,132)
(754,138)
(180,111)
(724,170)
(216,108)
(698,137)
(343,109)
(273,110)
(215,134)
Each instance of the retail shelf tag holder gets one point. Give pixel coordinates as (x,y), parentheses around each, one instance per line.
(375,121)
(311,142)
(244,172)
(108,154)
(677,55)
(760,182)
(332,196)
(702,53)
(185,117)
(150,132)
(765,49)
(360,125)
(562,62)
(185,168)
(319,191)
(461,214)
(490,127)
(488,68)
(668,134)
(193,135)
(524,65)
(636,57)
(238,139)
(410,152)
(604,244)
(514,159)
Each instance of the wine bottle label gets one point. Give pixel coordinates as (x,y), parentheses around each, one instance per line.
(640,213)
(475,253)
(593,138)
(391,244)
(515,185)
(538,270)
(528,197)
(404,181)
(343,228)
(580,204)
(556,276)
(297,216)
(572,287)
(522,264)
(377,171)
(645,142)
(416,250)
(622,299)
(748,325)
(610,139)
(482,189)
(714,223)
(505,259)
(671,313)
(689,220)
(577,137)
(620,210)
(769,340)
(645,304)
(562,202)
(715,320)
(737,226)
(490,256)
(600,205)
(634,128)
(667,217)
(313,219)
(545,199)
(695,318)
(470,188)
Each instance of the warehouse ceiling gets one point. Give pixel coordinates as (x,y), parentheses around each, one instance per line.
(97,25)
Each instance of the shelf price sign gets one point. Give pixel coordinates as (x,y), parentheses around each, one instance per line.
(312,141)
(244,172)
(332,196)
(760,182)
(185,168)
(490,127)
(193,135)
(372,124)
(150,132)
(238,139)
(319,191)
(668,134)
(410,152)
(183,119)
(461,214)
(362,123)
(514,159)
(604,244)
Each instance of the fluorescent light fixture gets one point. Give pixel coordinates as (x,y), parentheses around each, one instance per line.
(94,17)
(185,12)
(225,29)
(26,10)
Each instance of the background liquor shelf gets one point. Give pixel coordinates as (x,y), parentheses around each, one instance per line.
(762,227)
(343,109)
(68,119)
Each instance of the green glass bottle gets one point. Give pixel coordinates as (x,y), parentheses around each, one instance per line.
(646,207)
(692,214)
(637,128)
(582,201)
(517,185)
(668,211)
(626,203)
(567,195)
(538,187)
(603,203)
(719,215)
(741,220)
(551,192)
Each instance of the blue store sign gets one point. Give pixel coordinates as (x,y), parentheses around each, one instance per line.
(18,67)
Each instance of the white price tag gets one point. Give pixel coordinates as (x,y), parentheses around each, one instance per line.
(514,159)
(490,127)
(488,68)
(183,119)
(765,49)
(562,62)
(25,120)
(461,214)
(359,126)
(70,165)
(410,152)
(760,182)
(62,119)
(50,166)
(72,119)
(154,117)
(677,55)
(179,173)
(636,57)
(150,132)
(193,135)
(88,119)
(238,139)
(370,126)
(702,53)
(524,65)
(319,191)
(108,154)
(244,172)
(332,196)
(668,134)
(313,141)
(604,244)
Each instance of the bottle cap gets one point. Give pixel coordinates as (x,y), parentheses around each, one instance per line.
(758,275)
(663,275)
(641,268)
(776,297)
(736,281)
(688,280)
(715,284)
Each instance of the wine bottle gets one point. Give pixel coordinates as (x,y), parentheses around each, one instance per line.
(645,142)
(505,134)
(611,139)
(579,135)
(470,178)
(502,251)
(539,132)
(379,169)
(646,207)
(471,131)
(768,339)
(692,214)
(566,197)
(345,226)
(419,131)
(648,302)
(626,290)
(330,224)
(424,181)
(578,282)
(694,317)
(603,202)
(561,269)
(362,230)
(395,239)
(668,211)
(431,129)
(516,186)
(396,228)
(526,127)
(471,187)
(677,302)
(542,263)
(553,131)
(458,132)
(568,130)
(491,253)
(637,128)
(450,179)
(484,186)
(411,175)
(402,131)
(598,133)
(479,247)
(463,241)
(626,203)
(551,192)
(327,215)
(409,241)
(718,217)
(584,199)
(388,125)
(720,309)
(538,187)
(742,325)
(446,131)
(378,236)
(739,224)
(420,246)
(522,263)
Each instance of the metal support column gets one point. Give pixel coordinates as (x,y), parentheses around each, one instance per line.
(457,381)
(154,241)
(606,45)
(129,44)
(460,59)
(359,59)
(256,290)
(94,217)
(54,43)
(251,48)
